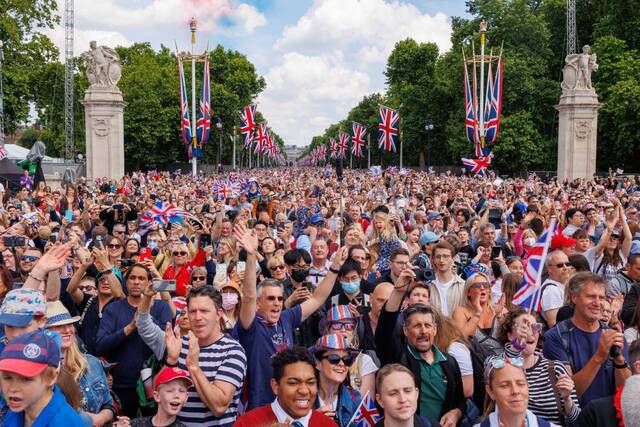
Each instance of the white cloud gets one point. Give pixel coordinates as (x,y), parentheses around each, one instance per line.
(83,37)
(306,93)
(172,14)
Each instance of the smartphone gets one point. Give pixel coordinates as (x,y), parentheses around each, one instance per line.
(221,273)
(495,252)
(164,285)
(308,285)
(241,266)
(68,214)
(17,285)
(145,253)
(126,263)
(8,241)
(53,237)
(205,240)
(281,225)
(19,241)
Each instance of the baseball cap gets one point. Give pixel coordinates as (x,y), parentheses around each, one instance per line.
(428,237)
(562,241)
(29,354)
(20,306)
(169,374)
(316,218)
(434,215)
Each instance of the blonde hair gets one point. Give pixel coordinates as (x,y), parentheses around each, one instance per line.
(74,361)
(389,230)
(467,286)
(275,260)
(231,244)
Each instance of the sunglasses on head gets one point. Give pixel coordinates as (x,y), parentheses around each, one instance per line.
(478,285)
(501,362)
(334,359)
(273,298)
(179,253)
(339,326)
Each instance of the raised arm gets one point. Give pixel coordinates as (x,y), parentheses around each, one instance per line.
(248,240)
(627,236)
(102,263)
(324,288)
(53,259)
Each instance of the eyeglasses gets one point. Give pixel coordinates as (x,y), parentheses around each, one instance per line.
(87,288)
(334,359)
(179,253)
(339,326)
(536,327)
(478,285)
(273,298)
(112,246)
(300,267)
(199,278)
(29,258)
(563,264)
(401,262)
(278,267)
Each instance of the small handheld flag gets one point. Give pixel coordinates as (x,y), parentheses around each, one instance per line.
(366,415)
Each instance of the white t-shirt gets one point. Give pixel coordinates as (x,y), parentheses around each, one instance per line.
(442,292)
(462,354)
(364,365)
(553,296)
(631,335)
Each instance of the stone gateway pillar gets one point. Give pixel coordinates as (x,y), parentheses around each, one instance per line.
(578,121)
(103,114)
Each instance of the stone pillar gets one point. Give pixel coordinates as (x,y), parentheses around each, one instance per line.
(104,128)
(578,121)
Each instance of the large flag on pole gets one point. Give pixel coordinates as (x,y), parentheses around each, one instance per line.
(185,123)
(334,148)
(261,138)
(470,114)
(493,107)
(358,139)
(388,128)
(203,124)
(529,294)
(247,125)
(342,145)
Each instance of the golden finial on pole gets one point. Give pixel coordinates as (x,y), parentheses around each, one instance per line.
(193,24)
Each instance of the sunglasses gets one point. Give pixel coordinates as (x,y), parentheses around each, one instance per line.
(334,359)
(273,298)
(339,326)
(29,258)
(113,246)
(501,362)
(199,278)
(563,264)
(179,253)
(278,267)
(478,285)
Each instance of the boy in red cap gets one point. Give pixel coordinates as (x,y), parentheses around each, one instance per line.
(170,392)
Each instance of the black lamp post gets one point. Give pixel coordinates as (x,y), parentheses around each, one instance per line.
(428,128)
(219,153)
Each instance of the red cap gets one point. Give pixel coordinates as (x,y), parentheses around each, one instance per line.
(562,241)
(169,374)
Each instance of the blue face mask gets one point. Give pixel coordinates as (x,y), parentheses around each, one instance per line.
(351,287)
(152,244)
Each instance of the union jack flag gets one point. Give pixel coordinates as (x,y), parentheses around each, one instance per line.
(493,107)
(471,122)
(366,415)
(3,152)
(261,138)
(478,166)
(357,139)
(226,188)
(162,212)
(388,128)
(185,123)
(203,125)
(334,148)
(342,145)
(272,147)
(248,125)
(529,295)
(322,153)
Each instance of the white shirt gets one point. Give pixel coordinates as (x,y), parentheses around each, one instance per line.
(442,292)
(553,296)
(285,418)
(462,354)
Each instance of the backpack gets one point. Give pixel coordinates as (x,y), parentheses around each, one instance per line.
(564,330)
(152,363)
(479,353)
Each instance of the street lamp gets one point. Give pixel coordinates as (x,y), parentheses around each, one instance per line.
(428,128)
(219,154)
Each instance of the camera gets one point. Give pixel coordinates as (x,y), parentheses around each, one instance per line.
(425,275)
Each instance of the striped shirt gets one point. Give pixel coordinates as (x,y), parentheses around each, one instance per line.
(224,360)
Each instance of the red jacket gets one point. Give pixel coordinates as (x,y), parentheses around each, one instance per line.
(264,416)
(182,278)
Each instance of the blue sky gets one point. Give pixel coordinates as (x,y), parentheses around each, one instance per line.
(319,57)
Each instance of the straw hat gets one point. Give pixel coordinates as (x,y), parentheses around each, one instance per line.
(58,315)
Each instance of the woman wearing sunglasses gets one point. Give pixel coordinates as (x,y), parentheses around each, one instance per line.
(333,359)
(181,267)
(550,387)
(277,268)
(478,316)
(508,391)
(362,374)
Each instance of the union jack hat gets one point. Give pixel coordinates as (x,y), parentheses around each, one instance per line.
(339,312)
(333,342)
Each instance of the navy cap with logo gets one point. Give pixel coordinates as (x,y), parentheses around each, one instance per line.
(30,353)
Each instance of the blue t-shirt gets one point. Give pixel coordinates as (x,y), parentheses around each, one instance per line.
(57,413)
(583,346)
(261,342)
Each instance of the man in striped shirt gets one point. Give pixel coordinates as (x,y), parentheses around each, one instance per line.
(216,363)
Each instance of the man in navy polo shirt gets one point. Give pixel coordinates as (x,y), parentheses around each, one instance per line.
(270,330)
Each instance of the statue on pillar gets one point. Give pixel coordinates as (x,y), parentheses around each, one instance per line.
(577,70)
(103,65)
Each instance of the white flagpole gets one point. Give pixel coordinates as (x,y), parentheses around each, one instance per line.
(194,137)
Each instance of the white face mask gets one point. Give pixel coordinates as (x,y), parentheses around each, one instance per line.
(529,241)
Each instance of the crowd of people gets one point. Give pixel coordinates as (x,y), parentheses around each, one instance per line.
(291,296)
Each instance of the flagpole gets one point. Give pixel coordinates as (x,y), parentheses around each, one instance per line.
(194,137)
(401,132)
(368,150)
(234,148)
(483,31)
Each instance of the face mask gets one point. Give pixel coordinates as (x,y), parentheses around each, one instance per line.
(351,287)
(152,244)
(229,300)
(299,275)
(529,241)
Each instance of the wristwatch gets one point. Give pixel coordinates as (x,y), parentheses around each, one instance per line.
(625,365)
